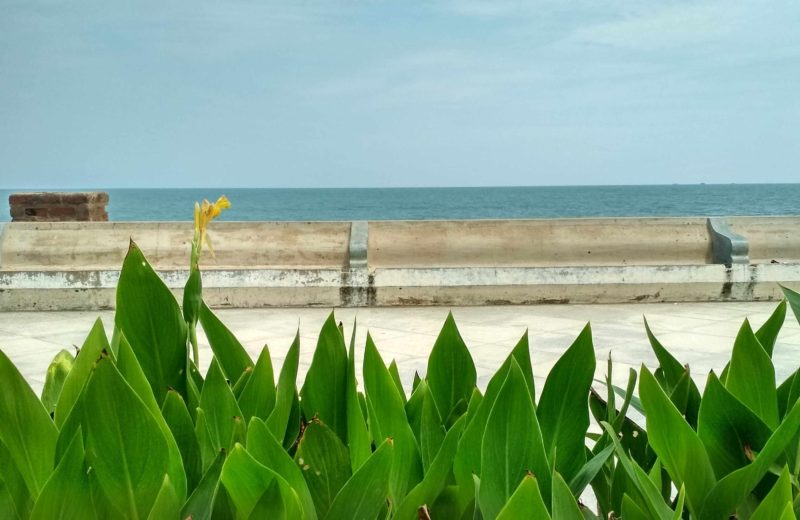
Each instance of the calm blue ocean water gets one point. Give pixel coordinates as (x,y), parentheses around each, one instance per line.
(457,203)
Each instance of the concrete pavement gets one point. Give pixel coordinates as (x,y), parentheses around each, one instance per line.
(700,334)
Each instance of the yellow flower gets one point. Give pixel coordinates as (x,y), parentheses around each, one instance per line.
(203,215)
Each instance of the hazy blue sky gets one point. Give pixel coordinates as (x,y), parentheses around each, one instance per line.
(368,93)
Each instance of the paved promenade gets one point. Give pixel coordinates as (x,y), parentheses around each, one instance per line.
(700,334)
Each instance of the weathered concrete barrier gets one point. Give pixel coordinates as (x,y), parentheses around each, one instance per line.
(771,240)
(539,243)
(75,265)
(101,246)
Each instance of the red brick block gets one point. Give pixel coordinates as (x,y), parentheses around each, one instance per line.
(56,206)
(62,212)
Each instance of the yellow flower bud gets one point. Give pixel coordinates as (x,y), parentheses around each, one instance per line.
(203,215)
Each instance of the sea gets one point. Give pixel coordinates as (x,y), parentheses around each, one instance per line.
(331,204)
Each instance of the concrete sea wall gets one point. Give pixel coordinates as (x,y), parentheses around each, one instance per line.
(75,265)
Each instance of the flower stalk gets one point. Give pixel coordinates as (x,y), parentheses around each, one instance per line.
(193,291)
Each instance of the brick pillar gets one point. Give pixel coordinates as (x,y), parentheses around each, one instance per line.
(58,207)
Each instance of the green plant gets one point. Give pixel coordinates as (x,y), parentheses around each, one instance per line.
(129,428)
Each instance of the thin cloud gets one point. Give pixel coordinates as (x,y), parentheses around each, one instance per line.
(668,27)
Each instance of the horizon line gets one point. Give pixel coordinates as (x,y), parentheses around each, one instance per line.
(476,186)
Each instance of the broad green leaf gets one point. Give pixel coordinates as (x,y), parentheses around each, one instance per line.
(246,480)
(564,505)
(7,505)
(104,507)
(796,506)
(287,388)
(435,479)
(413,407)
(677,445)
(204,441)
(324,462)
(73,422)
(476,510)
(116,334)
(195,378)
(794,301)
(671,367)
(451,371)
(563,412)
(656,475)
(458,410)
(468,458)
(776,500)
(133,374)
(180,425)
(652,501)
(447,504)
(358,439)
(15,499)
(131,371)
(149,317)
(365,494)
(395,373)
(25,428)
(220,410)
(526,502)
(293,425)
(67,495)
(263,446)
(258,396)
(726,426)
(426,423)
(388,419)
(751,377)
(201,502)
(324,391)
(224,507)
(230,354)
(635,402)
(125,446)
(631,511)
(512,445)
(589,471)
(767,334)
(681,391)
(606,494)
(673,371)
(431,433)
(788,393)
(54,381)
(474,403)
(95,343)
(167,504)
(522,354)
(679,505)
(633,436)
(270,505)
(734,488)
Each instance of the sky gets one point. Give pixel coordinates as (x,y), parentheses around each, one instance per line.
(179,93)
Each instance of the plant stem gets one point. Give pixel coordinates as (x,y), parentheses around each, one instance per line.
(193,341)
